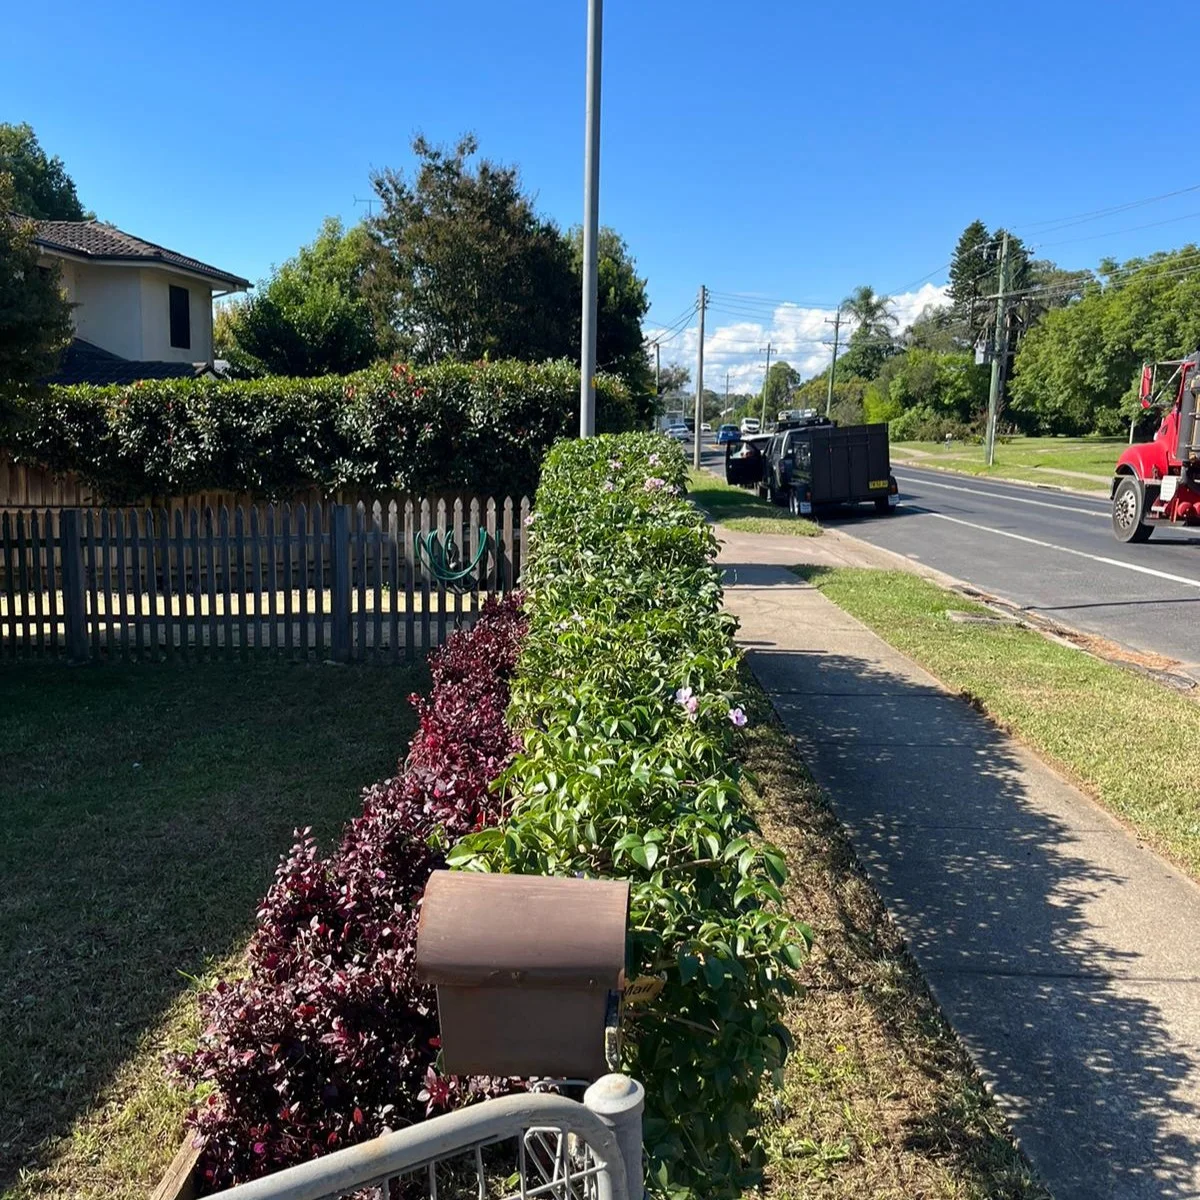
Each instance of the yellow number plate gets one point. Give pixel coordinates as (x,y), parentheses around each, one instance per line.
(878,483)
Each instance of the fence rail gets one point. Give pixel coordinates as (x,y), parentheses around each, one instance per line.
(339,581)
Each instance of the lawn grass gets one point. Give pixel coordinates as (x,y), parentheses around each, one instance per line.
(1119,734)
(743,511)
(879,1100)
(1063,461)
(145,810)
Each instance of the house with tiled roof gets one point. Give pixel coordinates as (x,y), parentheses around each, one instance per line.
(141,311)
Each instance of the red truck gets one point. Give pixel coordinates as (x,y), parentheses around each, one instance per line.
(1158,482)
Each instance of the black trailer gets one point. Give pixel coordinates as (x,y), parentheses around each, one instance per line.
(815,463)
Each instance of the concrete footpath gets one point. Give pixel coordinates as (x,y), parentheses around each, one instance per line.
(1066,956)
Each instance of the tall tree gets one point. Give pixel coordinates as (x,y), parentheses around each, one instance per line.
(871,344)
(41,187)
(35,318)
(621,305)
(969,267)
(310,317)
(778,385)
(466,264)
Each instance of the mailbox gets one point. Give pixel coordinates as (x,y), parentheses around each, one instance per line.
(529,971)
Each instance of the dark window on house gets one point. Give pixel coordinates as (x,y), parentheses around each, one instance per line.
(181,319)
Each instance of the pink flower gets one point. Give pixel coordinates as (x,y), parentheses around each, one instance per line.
(653,460)
(614,464)
(609,486)
(687,701)
(530,519)
(738,717)
(654,484)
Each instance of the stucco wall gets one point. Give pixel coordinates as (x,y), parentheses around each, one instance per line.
(108,307)
(156,318)
(127,310)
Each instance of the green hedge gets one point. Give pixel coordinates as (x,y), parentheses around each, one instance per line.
(627,773)
(483,427)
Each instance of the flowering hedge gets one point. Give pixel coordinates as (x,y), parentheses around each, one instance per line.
(329,1038)
(626,696)
(482,427)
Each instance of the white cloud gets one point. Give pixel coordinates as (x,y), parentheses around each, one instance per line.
(738,345)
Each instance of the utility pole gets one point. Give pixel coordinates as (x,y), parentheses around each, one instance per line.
(762,423)
(657,385)
(726,408)
(699,381)
(591,223)
(999,355)
(837,325)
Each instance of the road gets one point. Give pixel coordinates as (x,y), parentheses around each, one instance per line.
(1046,552)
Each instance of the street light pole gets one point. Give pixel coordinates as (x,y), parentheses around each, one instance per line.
(591,223)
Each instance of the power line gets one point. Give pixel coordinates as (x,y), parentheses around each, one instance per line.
(1050,225)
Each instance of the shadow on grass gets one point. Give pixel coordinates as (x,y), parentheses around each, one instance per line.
(145,809)
(995,897)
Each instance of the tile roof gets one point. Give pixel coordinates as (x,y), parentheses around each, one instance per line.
(107,243)
(82,362)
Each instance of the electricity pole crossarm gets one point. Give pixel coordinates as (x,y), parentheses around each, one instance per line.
(699,381)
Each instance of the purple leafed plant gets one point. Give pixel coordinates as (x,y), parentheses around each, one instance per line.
(329,1039)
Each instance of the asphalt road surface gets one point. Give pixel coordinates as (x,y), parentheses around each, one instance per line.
(1047,552)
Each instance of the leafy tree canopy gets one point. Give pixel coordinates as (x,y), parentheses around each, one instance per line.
(41,187)
(777,387)
(467,266)
(35,318)
(311,317)
(1077,370)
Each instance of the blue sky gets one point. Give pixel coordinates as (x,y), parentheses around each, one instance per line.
(785,151)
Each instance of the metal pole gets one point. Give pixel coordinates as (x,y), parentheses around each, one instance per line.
(999,351)
(699,381)
(762,422)
(618,1101)
(591,223)
(657,385)
(837,324)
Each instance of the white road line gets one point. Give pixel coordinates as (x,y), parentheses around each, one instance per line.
(1100,558)
(951,487)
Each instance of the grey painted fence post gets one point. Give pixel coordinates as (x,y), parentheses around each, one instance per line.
(619,1102)
(74,607)
(339,554)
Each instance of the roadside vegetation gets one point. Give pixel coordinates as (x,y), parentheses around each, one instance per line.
(1086,464)
(741,510)
(879,1098)
(145,811)
(1088,716)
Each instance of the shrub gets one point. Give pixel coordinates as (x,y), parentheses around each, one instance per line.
(329,1038)
(482,427)
(922,424)
(626,693)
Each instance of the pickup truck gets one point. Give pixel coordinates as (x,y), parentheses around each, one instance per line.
(812,462)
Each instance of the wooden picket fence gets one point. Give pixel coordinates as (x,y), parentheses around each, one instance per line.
(335,581)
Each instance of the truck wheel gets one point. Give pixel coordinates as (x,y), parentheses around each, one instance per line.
(1129,510)
(794,502)
(882,507)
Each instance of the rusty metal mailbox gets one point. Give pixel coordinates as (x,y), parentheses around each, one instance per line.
(528,970)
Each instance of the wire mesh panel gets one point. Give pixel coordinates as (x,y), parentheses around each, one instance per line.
(515,1148)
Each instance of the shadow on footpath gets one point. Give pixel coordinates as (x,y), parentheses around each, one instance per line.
(991,891)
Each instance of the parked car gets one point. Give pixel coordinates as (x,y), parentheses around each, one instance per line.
(679,431)
(727,433)
(705,427)
(749,426)
(810,462)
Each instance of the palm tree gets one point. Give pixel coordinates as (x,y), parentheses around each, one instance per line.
(871,312)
